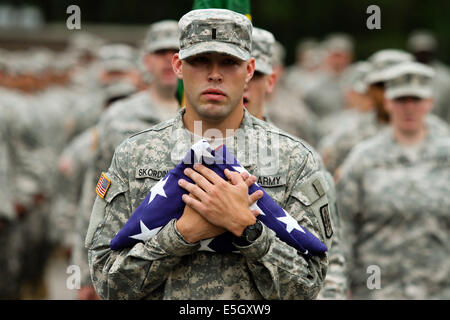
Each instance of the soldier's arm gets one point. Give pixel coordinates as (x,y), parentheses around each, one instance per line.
(349,196)
(279,270)
(335,285)
(130,273)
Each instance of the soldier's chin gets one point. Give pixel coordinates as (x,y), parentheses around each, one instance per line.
(213,111)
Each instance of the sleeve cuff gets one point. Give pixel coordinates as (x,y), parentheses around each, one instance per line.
(172,242)
(258,248)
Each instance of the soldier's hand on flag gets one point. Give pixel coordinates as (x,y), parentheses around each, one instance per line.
(193,227)
(221,203)
(249,180)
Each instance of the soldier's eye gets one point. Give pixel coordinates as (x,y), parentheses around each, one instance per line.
(198,60)
(230,61)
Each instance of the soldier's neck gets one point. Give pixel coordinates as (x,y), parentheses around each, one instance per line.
(197,124)
(163,95)
(410,138)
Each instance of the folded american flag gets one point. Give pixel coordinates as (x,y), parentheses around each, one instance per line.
(164,203)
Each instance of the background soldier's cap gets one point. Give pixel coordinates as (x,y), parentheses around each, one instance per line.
(422,40)
(262,50)
(162,35)
(119,89)
(117,57)
(84,41)
(215,30)
(383,60)
(355,75)
(338,42)
(409,79)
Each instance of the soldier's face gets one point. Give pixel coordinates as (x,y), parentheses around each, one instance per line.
(255,93)
(214,83)
(408,113)
(159,64)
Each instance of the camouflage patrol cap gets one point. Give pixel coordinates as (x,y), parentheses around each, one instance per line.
(119,89)
(162,35)
(338,42)
(355,75)
(117,57)
(84,41)
(422,40)
(409,79)
(384,59)
(215,30)
(262,50)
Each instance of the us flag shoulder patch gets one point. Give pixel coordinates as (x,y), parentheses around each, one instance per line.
(102,185)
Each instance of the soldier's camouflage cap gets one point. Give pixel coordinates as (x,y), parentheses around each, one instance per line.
(383,60)
(215,30)
(409,79)
(422,40)
(162,35)
(262,50)
(338,42)
(117,57)
(355,75)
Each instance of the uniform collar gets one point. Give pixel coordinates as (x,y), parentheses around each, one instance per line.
(182,139)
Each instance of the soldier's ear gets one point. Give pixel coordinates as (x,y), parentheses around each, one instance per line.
(250,70)
(177,65)
(429,104)
(271,81)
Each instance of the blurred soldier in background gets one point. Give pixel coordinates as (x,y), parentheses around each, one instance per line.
(284,108)
(356,100)
(336,146)
(119,78)
(305,73)
(138,112)
(326,96)
(392,194)
(424,46)
(143,109)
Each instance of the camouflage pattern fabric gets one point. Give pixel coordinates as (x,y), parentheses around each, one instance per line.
(393,202)
(166,266)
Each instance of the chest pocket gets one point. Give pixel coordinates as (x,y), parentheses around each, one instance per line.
(315,194)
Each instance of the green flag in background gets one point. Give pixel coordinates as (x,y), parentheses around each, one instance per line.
(240,6)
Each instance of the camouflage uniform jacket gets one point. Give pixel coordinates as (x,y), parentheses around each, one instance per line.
(166,266)
(395,207)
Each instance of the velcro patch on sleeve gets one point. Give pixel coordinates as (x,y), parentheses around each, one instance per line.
(102,185)
(325,214)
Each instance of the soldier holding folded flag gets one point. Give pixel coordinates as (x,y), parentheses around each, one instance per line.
(167,262)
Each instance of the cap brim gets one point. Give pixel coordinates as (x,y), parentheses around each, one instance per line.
(376,76)
(423,93)
(214,46)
